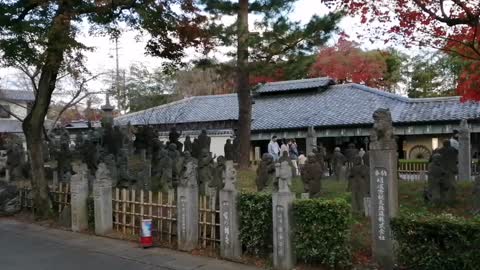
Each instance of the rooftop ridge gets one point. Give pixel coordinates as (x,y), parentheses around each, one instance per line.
(298,80)
(183,100)
(375,91)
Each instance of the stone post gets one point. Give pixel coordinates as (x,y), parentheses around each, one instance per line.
(7,175)
(230,247)
(102,197)
(464,152)
(311,140)
(79,196)
(187,208)
(383,187)
(282,199)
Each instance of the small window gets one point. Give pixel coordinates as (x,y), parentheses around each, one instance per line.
(4,111)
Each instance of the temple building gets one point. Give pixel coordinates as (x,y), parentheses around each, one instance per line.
(318,111)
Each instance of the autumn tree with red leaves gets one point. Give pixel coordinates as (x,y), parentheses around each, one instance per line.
(346,62)
(450,26)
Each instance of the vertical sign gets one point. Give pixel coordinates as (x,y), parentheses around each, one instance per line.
(382,216)
(280,230)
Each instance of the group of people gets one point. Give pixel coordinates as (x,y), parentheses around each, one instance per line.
(289,146)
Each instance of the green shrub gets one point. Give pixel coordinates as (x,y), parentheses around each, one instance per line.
(256,223)
(437,242)
(322,231)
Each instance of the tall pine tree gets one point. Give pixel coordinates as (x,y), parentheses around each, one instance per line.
(277,39)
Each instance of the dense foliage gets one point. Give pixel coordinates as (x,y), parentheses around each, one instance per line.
(256,223)
(322,231)
(437,242)
(451,26)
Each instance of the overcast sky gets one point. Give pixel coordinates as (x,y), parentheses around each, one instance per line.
(132,45)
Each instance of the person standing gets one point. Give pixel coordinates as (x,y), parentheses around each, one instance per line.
(293,153)
(302,159)
(273,148)
(284,147)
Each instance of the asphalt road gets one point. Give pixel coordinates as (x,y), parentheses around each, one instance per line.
(25,246)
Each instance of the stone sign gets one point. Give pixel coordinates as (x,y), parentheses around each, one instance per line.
(187,197)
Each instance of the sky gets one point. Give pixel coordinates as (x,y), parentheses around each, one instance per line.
(131,46)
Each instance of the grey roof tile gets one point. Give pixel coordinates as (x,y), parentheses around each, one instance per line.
(339,105)
(16,95)
(293,85)
(10,126)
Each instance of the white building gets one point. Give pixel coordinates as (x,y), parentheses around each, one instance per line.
(14,105)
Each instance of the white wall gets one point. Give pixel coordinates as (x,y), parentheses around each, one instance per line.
(17,110)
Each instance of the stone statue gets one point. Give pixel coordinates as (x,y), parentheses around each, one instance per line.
(228,149)
(338,161)
(204,140)
(265,173)
(109,160)
(189,174)
(91,154)
(124,179)
(381,136)
(283,173)
(219,170)
(15,161)
(359,179)
(205,171)
(350,154)
(441,188)
(163,172)
(9,200)
(229,176)
(187,144)
(177,163)
(173,137)
(103,174)
(312,176)
(196,150)
(236,145)
(287,159)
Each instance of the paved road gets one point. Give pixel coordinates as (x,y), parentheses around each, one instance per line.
(32,247)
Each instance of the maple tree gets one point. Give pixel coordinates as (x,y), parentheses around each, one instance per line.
(450,26)
(346,62)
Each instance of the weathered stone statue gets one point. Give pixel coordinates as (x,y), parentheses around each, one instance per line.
(219,171)
(124,179)
(441,188)
(109,160)
(187,144)
(312,176)
(286,158)
(382,132)
(173,137)
(163,179)
(359,179)
(338,161)
(15,161)
(265,173)
(236,146)
(9,200)
(177,161)
(196,150)
(350,154)
(91,155)
(189,175)
(229,150)
(204,140)
(283,173)
(229,175)
(205,171)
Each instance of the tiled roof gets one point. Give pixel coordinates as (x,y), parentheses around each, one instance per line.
(16,95)
(288,86)
(194,109)
(338,105)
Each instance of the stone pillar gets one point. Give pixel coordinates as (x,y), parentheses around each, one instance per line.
(383,187)
(7,175)
(282,199)
(311,140)
(230,246)
(187,208)
(102,197)
(464,153)
(79,193)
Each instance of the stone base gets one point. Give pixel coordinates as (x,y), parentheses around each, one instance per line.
(283,249)
(230,246)
(102,197)
(187,218)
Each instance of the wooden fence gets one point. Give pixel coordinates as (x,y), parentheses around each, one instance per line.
(59,194)
(413,170)
(130,206)
(209,222)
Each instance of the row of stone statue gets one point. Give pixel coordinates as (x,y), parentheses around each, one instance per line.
(357,175)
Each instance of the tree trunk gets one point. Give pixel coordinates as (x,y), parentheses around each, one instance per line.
(244,98)
(33,124)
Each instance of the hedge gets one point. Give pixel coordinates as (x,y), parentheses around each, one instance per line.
(437,242)
(322,231)
(256,223)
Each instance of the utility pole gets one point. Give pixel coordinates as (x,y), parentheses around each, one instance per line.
(117,75)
